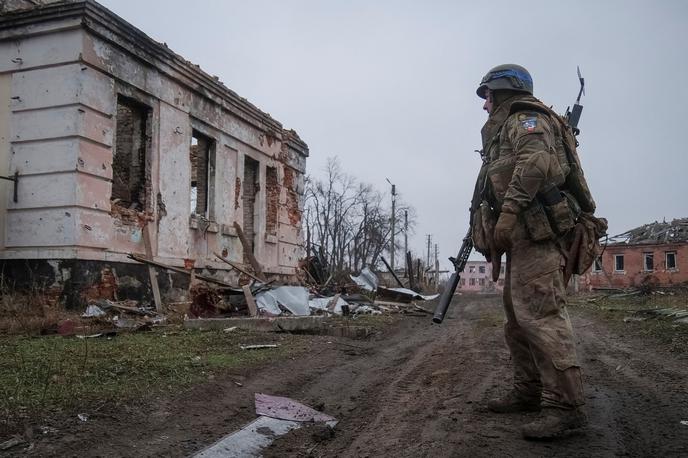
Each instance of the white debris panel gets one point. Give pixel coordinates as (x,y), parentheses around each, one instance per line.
(292,298)
(366,280)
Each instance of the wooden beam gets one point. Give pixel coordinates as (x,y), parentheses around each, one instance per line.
(333,303)
(409,269)
(143,260)
(248,252)
(250,301)
(243,271)
(401,285)
(151,270)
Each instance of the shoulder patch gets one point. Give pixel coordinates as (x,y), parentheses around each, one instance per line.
(529,123)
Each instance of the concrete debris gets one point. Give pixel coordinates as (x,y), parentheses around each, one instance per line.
(93,311)
(368,310)
(258,347)
(122,315)
(48,430)
(11,443)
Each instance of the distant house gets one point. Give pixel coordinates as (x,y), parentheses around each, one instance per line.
(477,278)
(654,254)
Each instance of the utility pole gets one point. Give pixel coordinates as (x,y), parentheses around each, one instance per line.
(394,217)
(437,268)
(427,260)
(406,241)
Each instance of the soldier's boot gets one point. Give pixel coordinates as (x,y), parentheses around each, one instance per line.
(514,401)
(554,422)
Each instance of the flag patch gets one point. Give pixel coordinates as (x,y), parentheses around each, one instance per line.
(529,124)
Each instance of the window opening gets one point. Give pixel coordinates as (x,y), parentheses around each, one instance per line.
(201,156)
(250,188)
(130,175)
(618,262)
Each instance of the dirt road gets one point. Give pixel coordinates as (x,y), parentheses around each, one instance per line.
(419,390)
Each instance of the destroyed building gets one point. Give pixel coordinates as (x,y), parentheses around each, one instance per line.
(112,141)
(651,255)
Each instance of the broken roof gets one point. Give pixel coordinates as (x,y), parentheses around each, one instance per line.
(655,233)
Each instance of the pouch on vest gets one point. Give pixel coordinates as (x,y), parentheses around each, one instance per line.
(537,223)
(589,248)
(483,228)
(559,213)
(478,233)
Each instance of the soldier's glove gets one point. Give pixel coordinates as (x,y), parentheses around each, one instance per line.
(503,228)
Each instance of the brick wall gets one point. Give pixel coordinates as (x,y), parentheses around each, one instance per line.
(634,272)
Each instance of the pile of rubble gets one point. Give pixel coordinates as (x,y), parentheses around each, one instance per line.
(256,297)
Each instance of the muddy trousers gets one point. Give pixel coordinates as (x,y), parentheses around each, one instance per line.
(538,330)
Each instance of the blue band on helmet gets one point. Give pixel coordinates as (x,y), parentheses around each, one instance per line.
(506,74)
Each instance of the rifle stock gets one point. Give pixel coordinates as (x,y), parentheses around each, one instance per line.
(459,265)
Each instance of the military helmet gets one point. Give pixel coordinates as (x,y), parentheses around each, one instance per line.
(508,76)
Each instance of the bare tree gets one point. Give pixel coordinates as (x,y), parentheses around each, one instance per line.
(347,222)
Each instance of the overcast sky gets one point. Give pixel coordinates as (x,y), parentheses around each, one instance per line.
(389,88)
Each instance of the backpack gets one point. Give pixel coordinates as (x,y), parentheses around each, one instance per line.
(583,241)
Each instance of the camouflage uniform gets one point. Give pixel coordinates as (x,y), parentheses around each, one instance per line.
(520,159)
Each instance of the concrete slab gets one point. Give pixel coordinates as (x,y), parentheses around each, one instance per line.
(289,324)
(250,440)
(307,324)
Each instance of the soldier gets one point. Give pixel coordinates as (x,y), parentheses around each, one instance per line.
(523,166)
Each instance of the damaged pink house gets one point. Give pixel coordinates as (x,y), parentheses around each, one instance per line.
(104,131)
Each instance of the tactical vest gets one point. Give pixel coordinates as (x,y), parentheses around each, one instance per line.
(547,216)
(582,243)
(566,154)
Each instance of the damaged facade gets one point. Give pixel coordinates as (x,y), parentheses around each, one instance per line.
(110,131)
(654,254)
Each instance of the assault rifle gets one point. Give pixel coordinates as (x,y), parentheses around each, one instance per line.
(459,264)
(573,116)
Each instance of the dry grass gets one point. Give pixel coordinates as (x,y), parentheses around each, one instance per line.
(45,376)
(29,312)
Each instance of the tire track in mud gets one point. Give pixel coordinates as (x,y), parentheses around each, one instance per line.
(424,395)
(636,396)
(423,402)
